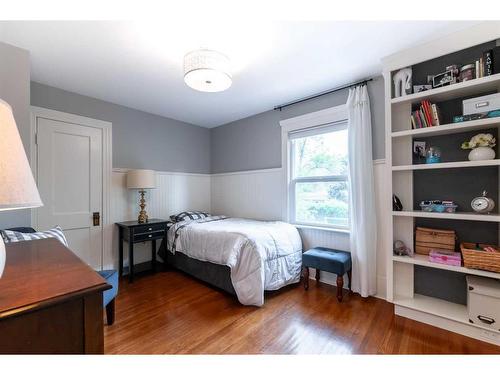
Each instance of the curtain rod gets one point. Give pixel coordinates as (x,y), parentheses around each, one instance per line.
(364,81)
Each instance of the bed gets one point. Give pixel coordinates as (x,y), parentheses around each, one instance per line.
(241,256)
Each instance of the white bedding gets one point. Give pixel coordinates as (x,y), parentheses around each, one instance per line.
(262,255)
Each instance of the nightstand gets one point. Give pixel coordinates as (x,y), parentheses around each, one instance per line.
(133,232)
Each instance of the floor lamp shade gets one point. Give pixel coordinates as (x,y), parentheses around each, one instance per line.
(17,185)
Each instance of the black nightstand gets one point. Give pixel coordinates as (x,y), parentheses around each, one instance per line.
(133,232)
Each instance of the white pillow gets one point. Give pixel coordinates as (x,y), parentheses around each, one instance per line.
(13,236)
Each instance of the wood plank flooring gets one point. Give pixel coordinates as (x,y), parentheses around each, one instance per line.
(172,313)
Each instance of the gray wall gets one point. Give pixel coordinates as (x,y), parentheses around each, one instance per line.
(140,139)
(15,90)
(255,142)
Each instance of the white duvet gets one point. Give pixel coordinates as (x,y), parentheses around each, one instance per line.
(262,255)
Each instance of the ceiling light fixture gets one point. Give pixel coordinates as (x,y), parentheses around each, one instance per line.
(207,70)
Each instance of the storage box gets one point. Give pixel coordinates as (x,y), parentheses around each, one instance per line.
(483,301)
(450,258)
(427,239)
(481,104)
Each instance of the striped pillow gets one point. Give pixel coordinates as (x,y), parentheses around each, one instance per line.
(189,215)
(13,236)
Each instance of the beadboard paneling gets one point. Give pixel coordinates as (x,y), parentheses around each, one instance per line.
(250,194)
(175,192)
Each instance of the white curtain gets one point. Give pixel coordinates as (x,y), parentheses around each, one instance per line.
(363,221)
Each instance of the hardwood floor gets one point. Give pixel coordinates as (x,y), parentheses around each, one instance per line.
(172,313)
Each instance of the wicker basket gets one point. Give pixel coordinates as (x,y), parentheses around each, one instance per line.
(479,259)
(427,239)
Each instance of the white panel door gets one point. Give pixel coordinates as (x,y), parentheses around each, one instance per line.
(70,181)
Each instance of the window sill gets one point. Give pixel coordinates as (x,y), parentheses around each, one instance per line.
(326,229)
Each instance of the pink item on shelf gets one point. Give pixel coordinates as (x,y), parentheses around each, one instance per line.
(445,257)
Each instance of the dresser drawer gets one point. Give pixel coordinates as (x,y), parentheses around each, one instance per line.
(158,235)
(149,228)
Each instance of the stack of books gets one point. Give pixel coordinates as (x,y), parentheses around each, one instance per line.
(425,116)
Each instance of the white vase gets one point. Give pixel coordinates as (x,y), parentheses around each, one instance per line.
(482,153)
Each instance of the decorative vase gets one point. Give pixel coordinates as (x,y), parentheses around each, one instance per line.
(482,153)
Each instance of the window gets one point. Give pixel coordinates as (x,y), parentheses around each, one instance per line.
(318,177)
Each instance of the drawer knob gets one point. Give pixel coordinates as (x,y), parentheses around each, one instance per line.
(150,228)
(150,236)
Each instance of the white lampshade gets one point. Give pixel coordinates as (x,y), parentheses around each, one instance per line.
(207,70)
(141,179)
(17,185)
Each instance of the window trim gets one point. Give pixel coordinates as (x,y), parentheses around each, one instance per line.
(337,114)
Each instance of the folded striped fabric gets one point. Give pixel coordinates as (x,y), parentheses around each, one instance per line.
(13,236)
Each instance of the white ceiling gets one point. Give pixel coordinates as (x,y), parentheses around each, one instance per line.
(139,64)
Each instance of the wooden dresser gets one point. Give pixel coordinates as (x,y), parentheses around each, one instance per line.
(50,301)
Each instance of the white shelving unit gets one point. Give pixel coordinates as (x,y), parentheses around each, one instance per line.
(399,140)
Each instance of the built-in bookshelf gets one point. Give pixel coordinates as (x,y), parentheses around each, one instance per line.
(405,175)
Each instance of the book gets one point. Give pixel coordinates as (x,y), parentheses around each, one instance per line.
(435,115)
(412,121)
(422,118)
(477,69)
(488,62)
(428,112)
(419,122)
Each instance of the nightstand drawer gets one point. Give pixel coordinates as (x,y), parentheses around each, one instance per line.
(149,228)
(158,235)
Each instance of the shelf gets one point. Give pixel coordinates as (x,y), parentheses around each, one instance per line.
(423,260)
(459,127)
(457,90)
(438,307)
(446,215)
(455,164)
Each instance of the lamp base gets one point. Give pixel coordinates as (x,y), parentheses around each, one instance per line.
(2,256)
(143,216)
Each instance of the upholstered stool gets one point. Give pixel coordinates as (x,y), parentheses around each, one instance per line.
(108,296)
(329,260)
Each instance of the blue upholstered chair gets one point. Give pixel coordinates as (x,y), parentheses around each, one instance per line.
(111,276)
(329,260)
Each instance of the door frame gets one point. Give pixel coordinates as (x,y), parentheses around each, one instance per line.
(107,168)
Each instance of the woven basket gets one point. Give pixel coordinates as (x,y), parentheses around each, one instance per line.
(479,259)
(427,239)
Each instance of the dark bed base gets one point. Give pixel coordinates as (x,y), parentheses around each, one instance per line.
(213,274)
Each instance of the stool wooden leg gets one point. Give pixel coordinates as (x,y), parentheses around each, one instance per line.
(306,278)
(317,275)
(349,276)
(340,285)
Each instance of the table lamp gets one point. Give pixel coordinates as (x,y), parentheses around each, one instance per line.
(17,185)
(141,179)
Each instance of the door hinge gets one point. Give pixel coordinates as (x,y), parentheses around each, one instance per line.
(36,138)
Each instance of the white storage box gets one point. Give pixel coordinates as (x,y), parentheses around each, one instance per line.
(481,104)
(483,301)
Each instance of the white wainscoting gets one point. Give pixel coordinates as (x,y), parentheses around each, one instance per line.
(250,194)
(259,194)
(175,192)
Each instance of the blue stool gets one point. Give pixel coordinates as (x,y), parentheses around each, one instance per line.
(108,296)
(329,260)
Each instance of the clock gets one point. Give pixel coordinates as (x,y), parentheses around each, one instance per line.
(483,204)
